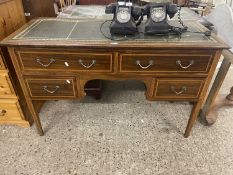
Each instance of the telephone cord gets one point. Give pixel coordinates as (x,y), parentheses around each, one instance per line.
(185,28)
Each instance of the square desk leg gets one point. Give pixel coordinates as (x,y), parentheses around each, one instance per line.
(29,102)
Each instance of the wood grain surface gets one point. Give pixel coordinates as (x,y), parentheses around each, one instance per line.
(170,70)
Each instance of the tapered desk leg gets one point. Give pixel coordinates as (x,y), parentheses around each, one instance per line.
(36,118)
(193,117)
(211,119)
(28,99)
(198,105)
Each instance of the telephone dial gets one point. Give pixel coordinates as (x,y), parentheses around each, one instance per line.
(126,17)
(157,22)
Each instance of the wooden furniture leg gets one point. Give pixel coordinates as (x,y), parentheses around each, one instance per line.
(29,102)
(221,101)
(230,96)
(209,111)
(193,118)
(198,105)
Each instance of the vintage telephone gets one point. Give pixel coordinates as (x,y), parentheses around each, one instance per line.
(157,18)
(126,17)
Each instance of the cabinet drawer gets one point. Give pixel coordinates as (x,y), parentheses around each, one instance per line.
(6,88)
(178,88)
(10,110)
(47,61)
(52,88)
(149,63)
(2,66)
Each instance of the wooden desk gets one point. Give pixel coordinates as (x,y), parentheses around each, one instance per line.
(55,58)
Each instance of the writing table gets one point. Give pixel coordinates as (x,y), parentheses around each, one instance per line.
(55,58)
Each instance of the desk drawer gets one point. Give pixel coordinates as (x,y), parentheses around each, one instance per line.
(178,88)
(149,63)
(47,61)
(52,88)
(10,110)
(6,87)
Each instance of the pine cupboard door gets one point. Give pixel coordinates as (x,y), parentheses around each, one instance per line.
(11,16)
(5,20)
(2,28)
(17,15)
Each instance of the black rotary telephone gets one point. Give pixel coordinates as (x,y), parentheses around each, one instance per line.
(157,18)
(125,17)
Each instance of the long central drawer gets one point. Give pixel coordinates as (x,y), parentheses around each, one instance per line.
(62,61)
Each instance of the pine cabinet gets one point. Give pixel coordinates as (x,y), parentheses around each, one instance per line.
(11,16)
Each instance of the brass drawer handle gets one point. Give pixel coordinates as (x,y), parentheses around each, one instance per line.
(151,63)
(183,89)
(93,62)
(45,88)
(38,60)
(2,112)
(179,63)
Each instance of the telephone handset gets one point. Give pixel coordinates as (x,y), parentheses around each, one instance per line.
(157,18)
(128,16)
(125,16)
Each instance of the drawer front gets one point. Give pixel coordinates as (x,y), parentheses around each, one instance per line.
(178,88)
(5,85)
(149,63)
(52,88)
(91,62)
(2,66)
(10,110)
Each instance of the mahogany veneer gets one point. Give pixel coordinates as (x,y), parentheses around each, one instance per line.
(60,69)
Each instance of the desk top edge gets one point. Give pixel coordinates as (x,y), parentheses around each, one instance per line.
(10,41)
